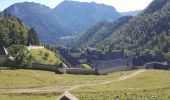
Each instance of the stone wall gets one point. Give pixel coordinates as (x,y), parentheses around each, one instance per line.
(80,71)
(157,65)
(62,70)
(2,59)
(33,47)
(105,67)
(46,68)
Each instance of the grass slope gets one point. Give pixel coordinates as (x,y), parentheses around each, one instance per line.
(40,58)
(86,66)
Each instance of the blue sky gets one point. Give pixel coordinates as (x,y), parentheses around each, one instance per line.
(120,5)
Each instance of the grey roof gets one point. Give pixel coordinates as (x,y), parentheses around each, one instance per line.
(62,65)
(76,55)
(67,96)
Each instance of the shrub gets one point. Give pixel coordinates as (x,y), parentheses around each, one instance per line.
(21,57)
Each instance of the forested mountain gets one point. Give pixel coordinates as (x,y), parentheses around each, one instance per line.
(131,13)
(37,16)
(81,15)
(150,30)
(13,31)
(67,19)
(99,32)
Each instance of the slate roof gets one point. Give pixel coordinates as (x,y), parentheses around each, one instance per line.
(62,65)
(67,96)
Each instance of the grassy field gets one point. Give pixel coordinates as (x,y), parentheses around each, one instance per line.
(30,78)
(152,85)
(44,56)
(86,66)
(28,97)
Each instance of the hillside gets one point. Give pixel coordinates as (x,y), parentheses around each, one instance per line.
(75,13)
(37,16)
(149,30)
(44,56)
(13,31)
(99,32)
(66,20)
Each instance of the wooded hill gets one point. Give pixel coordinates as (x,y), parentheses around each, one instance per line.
(69,18)
(149,30)
(99,32)
(13,31)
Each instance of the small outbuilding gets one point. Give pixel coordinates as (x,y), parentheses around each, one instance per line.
(67,96)
(62,68)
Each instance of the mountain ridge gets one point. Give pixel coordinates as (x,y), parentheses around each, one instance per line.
(150,30)
(100,32)
(51,24)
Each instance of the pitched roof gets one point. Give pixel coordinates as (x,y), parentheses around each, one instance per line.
(67,96)
(62,65)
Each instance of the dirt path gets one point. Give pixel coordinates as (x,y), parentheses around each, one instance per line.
(66,88)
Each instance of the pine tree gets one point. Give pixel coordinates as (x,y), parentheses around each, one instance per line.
(33,37)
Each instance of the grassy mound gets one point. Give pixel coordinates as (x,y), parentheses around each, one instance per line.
(44,56)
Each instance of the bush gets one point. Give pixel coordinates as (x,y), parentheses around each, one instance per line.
(21,57)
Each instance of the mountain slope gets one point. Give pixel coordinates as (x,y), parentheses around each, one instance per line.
(81,15)
(150,30)
(67,19)
(99,32)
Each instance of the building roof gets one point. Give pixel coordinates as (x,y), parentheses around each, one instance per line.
(67,96)
(62,65)
(76,55)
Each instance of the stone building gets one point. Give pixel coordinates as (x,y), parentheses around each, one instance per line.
(3,55)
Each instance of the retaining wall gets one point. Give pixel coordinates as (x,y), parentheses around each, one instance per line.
(62,70)
(46,68)
(80,71)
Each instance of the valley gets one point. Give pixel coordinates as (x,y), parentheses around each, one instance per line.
(85,51)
